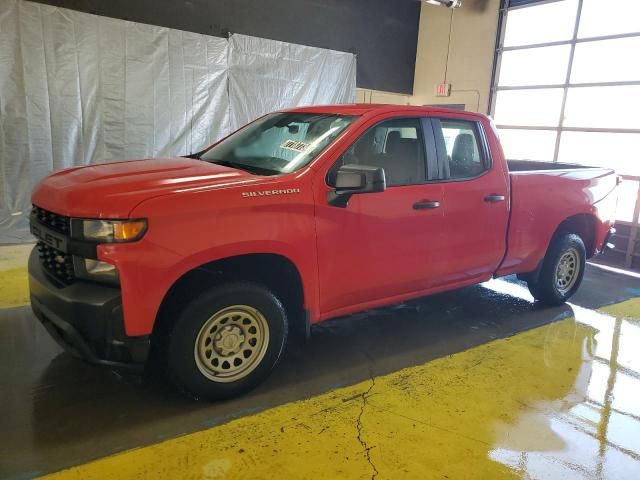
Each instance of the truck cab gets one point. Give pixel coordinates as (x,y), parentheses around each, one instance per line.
(301,216)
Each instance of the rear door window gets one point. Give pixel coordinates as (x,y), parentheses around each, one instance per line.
(460,143)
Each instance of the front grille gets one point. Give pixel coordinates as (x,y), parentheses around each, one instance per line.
(52,220)
(55,261)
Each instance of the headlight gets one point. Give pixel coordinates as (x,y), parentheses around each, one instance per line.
(90,269)
(109,231)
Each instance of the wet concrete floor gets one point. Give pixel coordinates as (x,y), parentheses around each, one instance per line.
(56,412)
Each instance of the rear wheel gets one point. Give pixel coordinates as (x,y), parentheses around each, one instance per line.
(562,270)
(226,341)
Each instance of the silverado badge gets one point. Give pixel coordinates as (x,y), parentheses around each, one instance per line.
(269,193)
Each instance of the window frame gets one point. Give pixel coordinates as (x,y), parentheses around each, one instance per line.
(442,156)
(425,138)
(559,128)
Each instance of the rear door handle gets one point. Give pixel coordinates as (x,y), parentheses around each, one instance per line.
(426,204)
(493,198)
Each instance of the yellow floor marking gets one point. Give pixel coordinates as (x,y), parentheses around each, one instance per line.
(629,309)
(14,288)
(537,405)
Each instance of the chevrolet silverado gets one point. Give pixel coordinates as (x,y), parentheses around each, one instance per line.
(300,216)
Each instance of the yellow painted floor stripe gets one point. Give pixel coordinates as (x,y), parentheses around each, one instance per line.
(14,288)
(542,404)
(629,310)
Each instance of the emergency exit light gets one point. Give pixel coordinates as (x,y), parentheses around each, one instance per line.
(443,90)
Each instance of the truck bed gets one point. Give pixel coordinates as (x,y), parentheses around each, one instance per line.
(544,194)
(530,166)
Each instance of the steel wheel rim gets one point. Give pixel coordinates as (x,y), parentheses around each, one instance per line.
(567,270)
(231,343)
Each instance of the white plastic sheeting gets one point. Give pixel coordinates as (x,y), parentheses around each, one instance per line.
(267,75)
(77,89)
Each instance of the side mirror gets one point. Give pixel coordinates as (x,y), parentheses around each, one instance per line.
(355,179)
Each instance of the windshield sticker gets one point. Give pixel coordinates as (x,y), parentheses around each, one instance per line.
(295,145)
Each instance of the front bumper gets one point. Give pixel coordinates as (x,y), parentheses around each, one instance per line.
(85,319)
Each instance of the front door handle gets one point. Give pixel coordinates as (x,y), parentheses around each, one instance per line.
(426,204)
(494,198)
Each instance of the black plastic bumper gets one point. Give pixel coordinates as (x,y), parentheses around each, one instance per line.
(85,319)
(607,240)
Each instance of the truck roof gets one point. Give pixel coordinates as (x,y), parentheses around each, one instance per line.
(374,108)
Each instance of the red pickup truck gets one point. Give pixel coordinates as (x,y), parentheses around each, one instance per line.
(301,216)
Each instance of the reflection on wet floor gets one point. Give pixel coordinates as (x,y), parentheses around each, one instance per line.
(593,430)
(556,401)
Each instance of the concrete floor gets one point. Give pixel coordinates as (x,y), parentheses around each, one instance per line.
(423,390)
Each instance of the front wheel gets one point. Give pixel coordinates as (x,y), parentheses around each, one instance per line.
(562,270)
(226,341)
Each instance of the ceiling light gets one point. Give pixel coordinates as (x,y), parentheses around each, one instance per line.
(446,3)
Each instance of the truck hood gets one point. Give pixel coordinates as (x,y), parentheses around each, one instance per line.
(112,190)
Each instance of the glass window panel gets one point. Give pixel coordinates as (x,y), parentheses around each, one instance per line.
(536,108)
(395,145)
(606,61)
(534,66)
(528,144)
(611,150)
(603,107)
(627,194)
(600,17)
(557,20)
(463,148)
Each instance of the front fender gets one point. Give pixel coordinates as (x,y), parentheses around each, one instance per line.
(192,229)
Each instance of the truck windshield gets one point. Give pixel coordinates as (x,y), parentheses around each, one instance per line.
(278,143)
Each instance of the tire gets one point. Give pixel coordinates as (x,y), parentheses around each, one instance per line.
(557,283)
(226,341)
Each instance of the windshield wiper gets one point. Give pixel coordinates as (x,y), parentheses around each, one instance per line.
(246,168)
(196,155)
